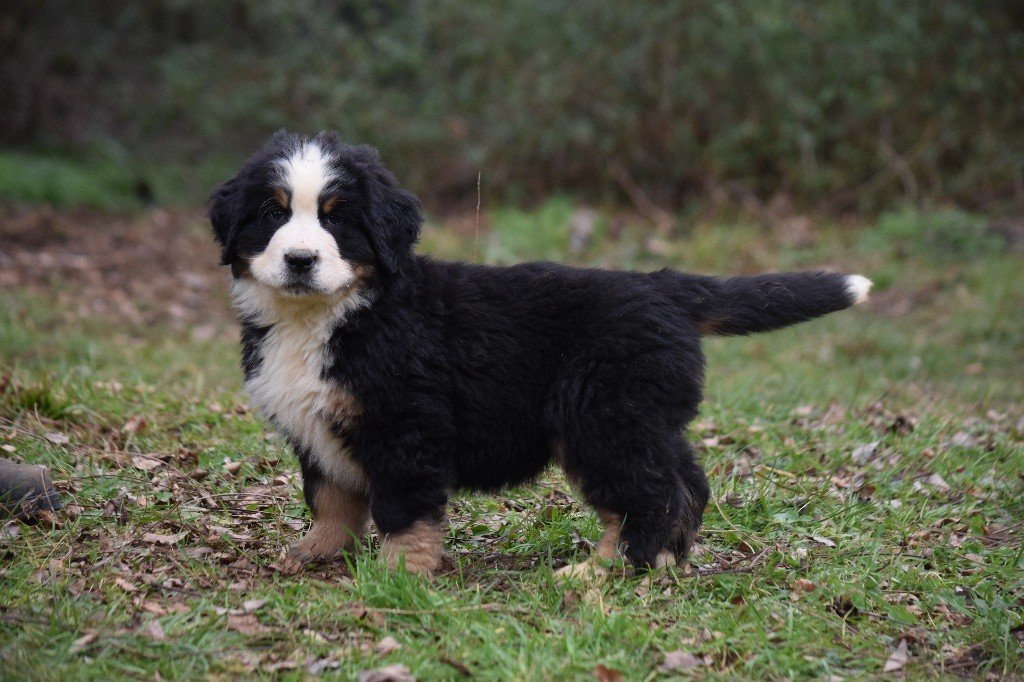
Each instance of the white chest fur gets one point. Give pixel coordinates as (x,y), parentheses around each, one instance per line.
(289,389)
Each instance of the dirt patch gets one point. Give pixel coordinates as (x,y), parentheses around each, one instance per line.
(159,267)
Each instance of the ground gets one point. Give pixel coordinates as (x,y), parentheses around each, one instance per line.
(866,516)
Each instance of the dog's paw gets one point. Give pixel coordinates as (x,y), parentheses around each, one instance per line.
(664,559)
(310,549)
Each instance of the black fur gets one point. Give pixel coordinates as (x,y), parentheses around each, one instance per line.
(473,377)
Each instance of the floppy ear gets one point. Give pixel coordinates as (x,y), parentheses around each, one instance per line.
(393,216)
(226,207)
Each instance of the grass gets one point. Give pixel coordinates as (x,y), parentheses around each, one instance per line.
(866,493)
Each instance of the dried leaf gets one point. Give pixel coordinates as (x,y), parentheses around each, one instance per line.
(134,425)
(164,538)
(56,438)
(251,605)
(146,463)
(317,666)
(804,585)
(246,623)
(680,660)
(155,630)
(964,440)
(865,492)
(898,659)
(938,483)
(125,585)
(823,540)
(287,566)
(154,607)
(389,673)
(862,453)
(603,673)
(387,646)
(83,642)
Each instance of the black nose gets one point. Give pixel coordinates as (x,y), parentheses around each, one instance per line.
(300,260)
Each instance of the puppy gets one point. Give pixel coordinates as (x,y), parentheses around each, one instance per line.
(399,379)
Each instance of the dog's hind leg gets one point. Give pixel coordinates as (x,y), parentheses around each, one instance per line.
(698,492)
(635,479)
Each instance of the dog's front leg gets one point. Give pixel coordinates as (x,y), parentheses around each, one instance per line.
(340,518)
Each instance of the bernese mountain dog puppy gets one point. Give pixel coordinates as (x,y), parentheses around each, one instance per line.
(399,379)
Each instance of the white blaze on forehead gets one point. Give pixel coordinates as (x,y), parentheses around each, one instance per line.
(304,175)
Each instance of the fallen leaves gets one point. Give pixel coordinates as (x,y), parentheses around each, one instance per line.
(603,673)
(56,438)
(898,659)
(245,623)
(166,539)
(386,646)
(84,642)
(803,585)
(134,425)
(389,673)
(679,660)
(146,463)
(862,454)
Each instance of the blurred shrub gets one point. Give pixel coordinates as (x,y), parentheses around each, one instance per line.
(841,105)
(941,236)
(96,182)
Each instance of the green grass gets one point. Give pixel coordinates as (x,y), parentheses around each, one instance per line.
(866,490)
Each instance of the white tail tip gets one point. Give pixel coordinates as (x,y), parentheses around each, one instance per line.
(858,287)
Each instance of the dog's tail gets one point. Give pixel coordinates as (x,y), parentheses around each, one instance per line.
(760,303)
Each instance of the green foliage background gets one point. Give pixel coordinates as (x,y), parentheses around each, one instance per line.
(839,105)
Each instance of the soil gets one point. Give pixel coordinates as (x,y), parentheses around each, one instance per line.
(154,268)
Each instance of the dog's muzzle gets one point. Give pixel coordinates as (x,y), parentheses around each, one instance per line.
(300,261)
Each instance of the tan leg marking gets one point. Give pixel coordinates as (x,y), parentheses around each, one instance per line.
(664,558)
(422,545)
(607,549)
(340,519)
(608,545)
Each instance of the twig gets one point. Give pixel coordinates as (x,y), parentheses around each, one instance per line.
(661,218)
(476,229)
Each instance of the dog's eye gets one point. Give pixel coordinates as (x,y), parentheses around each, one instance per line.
(333,219)
(275,213)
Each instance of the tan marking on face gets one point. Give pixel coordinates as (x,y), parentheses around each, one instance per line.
(330,204)
(363,273)
(422,545)
(340,519)
(282,198)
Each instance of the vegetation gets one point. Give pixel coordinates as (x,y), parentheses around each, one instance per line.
(865,468)
(842,106)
